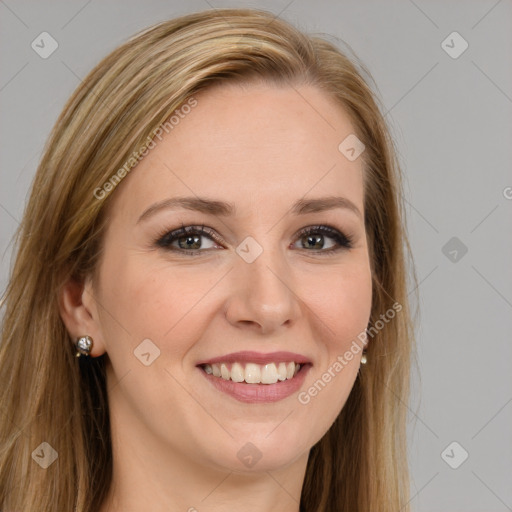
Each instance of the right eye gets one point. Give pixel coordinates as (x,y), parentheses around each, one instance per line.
(188,239)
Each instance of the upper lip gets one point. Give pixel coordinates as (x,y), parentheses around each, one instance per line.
(247,356)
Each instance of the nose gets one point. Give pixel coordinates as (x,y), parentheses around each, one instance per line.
(262,294)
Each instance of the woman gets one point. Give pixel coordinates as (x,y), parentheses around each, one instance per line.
(215,230)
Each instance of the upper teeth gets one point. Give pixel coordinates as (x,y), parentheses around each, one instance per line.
(254,373)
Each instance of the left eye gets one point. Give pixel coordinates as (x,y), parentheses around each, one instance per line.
(311,235)
(189,239)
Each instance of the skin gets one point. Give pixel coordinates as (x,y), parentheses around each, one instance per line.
(176,437)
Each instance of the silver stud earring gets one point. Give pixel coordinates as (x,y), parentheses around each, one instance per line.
(364,358)
(83,346)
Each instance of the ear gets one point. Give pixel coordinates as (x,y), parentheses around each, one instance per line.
(79,313)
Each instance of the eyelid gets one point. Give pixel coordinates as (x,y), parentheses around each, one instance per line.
(343,240)
(328,230)
(183,230)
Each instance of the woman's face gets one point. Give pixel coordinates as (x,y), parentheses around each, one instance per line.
(252,289)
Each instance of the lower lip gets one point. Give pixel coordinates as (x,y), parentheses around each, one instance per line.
(259,393)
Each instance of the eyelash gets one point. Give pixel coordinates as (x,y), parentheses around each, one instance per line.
(164,241)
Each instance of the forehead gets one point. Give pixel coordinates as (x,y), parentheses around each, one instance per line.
(253,145)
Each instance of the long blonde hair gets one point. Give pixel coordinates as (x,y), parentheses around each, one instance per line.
(48,395)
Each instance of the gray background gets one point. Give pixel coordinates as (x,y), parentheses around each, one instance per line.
(451,118)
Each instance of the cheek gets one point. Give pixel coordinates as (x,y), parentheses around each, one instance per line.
(156,301)
(343,302)
(344,306)
(152,297)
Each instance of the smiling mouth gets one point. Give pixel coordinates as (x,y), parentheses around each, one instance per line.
(252,373)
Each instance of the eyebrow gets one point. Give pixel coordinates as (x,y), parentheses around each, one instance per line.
(224,209)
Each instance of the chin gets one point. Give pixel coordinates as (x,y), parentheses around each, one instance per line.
(261,451)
